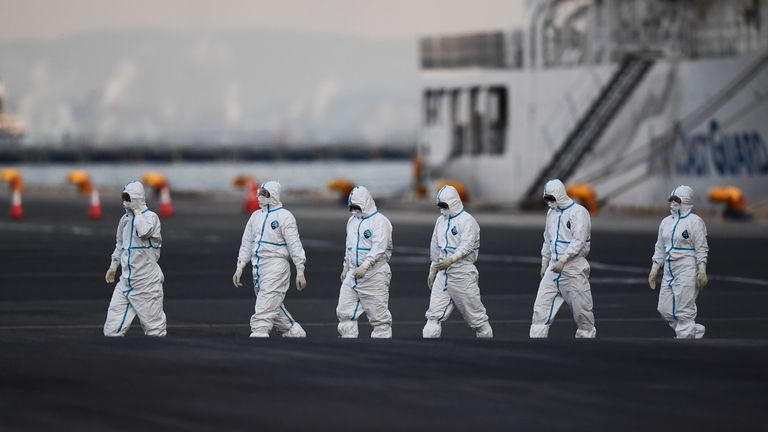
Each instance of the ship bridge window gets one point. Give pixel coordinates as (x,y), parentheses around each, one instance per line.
(458,121)
(497,104)
(478,119)
(477,109)
(432,103)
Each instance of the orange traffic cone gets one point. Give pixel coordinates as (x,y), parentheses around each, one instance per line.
(17,212)
(94,211)
(251,202)
(166,209)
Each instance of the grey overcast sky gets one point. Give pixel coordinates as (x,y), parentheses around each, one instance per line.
(43,19)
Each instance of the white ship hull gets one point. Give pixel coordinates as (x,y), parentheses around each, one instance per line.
(727,147)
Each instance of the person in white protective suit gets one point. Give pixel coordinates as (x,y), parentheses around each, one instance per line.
(564,267)
(365,274)
(270,242)
(453,276)
(137,250)
(681,249)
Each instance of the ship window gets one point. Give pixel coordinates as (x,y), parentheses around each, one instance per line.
(476,120)
(458,122)
(432,102)
(497,120)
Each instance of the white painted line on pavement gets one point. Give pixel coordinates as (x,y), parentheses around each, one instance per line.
(334,324)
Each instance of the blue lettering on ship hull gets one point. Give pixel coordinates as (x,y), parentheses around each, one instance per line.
(717,152)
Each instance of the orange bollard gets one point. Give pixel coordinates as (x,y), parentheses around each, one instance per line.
(94,211)
(418,177)
(166,208)
(80,179)
(585,195)
(463,193)
(735,204)
(344,186)
(251,202)
(155,180)
(17,212)
(13,177)
(158,182)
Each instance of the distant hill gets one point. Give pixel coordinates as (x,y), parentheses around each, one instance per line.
(213,88)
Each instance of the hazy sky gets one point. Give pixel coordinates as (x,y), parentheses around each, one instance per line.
(34,19)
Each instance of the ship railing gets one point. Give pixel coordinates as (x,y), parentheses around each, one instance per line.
(722,40)
(499,50)
(667,39)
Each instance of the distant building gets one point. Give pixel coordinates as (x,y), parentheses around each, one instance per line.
(11,130)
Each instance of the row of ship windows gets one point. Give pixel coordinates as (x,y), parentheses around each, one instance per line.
(477,117)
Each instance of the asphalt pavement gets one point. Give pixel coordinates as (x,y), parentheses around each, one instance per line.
(57,371)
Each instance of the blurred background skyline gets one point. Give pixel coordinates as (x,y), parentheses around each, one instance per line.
(296,73)
(44,19)
(625,97)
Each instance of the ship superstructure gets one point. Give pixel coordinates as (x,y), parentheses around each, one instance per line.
(631,96)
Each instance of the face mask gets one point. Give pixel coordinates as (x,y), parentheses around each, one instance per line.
(674,207)
(550,200)
(444,209)
(126,200)
(263,201)
(356,210)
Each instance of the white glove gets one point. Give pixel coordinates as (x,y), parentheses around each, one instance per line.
(431,277)
(544,265)
(135,206)
(301,281)
(238,274)
(558,267)
(110,276)
(701,276)
(445,262)
(360,271)
(344,271)
(652,275)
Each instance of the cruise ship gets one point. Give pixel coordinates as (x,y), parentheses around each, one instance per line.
(632,97)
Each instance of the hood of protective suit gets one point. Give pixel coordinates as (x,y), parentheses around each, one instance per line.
(136,191)
(361,197)
(556,188)
(449,195)
(685,193)
(274,194)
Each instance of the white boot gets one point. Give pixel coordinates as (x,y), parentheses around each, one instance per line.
(383,331)
(432,330)
(296,331)
(260,335)
(348,329)
(700,330)
(484,331)
(539,331)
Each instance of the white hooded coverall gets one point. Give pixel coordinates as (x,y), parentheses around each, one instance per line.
(566,236)
(140,289)
(680,247)
(456,233)
(270,241)
(369,238)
